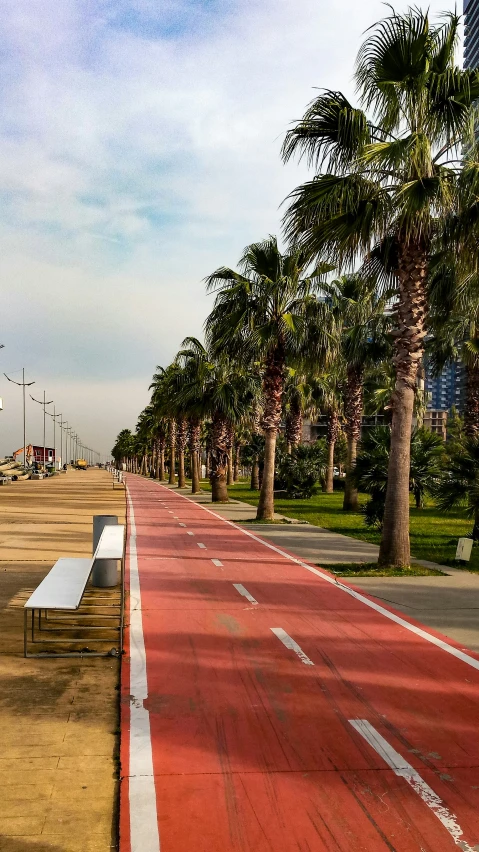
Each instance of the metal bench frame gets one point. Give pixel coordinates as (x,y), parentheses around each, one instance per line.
(57,625)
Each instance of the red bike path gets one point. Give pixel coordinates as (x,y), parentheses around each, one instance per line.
(266,706)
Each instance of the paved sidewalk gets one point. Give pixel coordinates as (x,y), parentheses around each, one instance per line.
(449,604)
(58,717)
(267,707)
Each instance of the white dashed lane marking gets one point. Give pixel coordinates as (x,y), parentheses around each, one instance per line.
(289,643)
(241,589)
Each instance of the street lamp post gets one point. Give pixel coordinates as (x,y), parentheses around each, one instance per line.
(43,403)
(23,384)
(60,423)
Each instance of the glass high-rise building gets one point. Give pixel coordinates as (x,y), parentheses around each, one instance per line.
(471,33)
(448,388)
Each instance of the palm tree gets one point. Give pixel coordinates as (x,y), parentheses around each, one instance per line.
(123,449)
(395,175)
(261,315)
(210,386)
(360,327)
(327,395)
(460,482)
(372,467)
(165,404)
(296,403)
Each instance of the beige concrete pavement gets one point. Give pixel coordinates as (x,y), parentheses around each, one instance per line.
(58,717)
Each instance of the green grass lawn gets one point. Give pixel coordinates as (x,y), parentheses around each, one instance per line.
(434,534)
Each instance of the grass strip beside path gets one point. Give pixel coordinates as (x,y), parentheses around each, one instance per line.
(370,569)
(434,534)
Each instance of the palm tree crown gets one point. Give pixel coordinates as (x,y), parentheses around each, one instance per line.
(390,176)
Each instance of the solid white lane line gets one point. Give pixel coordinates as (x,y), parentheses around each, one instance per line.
(190,533)
(286,639)
(144,835)
(217,562)
(401,767)
(201,545)
(241,589)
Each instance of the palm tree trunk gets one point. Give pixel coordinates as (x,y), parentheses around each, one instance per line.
(273,383)
(333,432)
(351,502)
(194,453)
(161,475)
(254,484)
(266,497)
(409,348)
(471,408)
(172,478)
(230,479)
(236,464)
(219,460)
(181,437)
(181,469)
(353,412)
(294,426)
(329,485)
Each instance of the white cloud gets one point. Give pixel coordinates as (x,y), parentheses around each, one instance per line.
(139,151)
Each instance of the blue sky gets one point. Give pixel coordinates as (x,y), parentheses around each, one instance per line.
(139,150)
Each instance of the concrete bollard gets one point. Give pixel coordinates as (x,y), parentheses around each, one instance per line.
(105,571)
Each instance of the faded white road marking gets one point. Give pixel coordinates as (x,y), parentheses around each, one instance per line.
(201,545)
(144,835)
(241,589)
(286,639)
(401,767)
(190,533)
(182,525)
(217,562)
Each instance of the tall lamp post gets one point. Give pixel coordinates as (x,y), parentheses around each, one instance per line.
(60,423)
(44,404)
(23,384)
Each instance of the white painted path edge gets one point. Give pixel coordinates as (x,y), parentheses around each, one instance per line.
(144,836)
(401,767)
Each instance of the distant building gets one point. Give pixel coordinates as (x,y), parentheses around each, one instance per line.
(447,389)
(471,33)
(436,421)
(38,455)
(35,454)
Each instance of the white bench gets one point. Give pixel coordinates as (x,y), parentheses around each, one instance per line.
(64,586)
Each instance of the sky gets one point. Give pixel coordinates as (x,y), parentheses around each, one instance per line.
(139,151)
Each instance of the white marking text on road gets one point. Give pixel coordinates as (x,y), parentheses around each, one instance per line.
(401,767)
(289,643)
